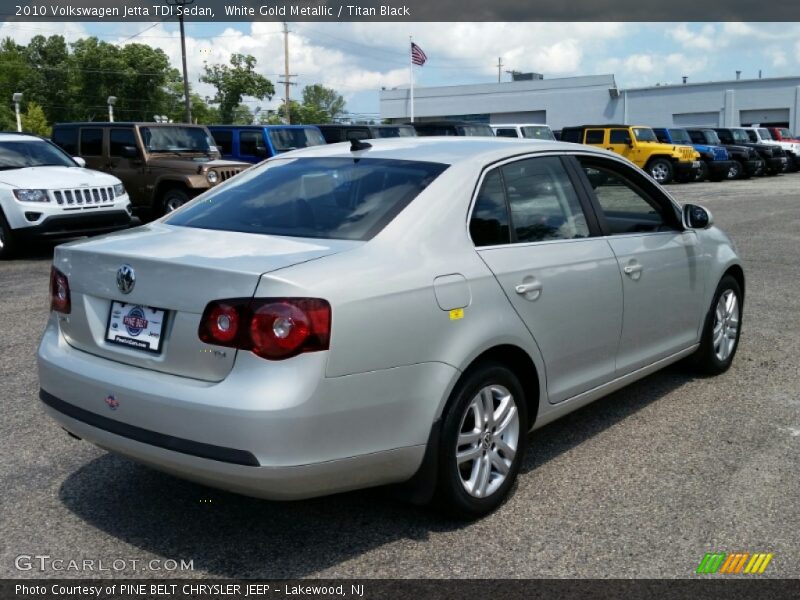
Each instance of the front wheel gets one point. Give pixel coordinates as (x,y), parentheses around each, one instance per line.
(484,436)
(736,170)
(173,199)
(7,241)
(702,172)
(722,329)
(661,170)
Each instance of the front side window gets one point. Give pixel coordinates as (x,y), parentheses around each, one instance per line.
(739,135)
(619,136)
(473,130)
(328,198)
(506,132)
(67,138)
(489,223)
(624,197)
(752,135)
(118,139)
(251,143)
(543,202)
(21,154)
(91,142)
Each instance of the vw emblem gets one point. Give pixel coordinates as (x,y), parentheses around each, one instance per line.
(126,279)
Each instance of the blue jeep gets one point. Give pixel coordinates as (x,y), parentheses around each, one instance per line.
(715,162)
(254,143)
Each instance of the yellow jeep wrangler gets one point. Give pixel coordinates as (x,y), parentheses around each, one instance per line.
(664,162)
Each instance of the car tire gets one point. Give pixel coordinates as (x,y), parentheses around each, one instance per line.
(661,170)
(717,349)
(736,171)
(476,466)
(173,199)
(7,241)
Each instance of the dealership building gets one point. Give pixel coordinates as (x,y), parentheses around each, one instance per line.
(568,101)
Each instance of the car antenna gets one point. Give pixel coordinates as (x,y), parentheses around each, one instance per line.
(356,145)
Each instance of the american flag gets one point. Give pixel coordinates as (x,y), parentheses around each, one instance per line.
(418,57)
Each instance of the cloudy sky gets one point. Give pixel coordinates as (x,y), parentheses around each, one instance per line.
(357,59)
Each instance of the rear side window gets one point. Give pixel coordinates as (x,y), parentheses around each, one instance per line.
(223,138)
(595,136)
(67,138)
(489,223)
(118,139)
(330,198)
(91,142)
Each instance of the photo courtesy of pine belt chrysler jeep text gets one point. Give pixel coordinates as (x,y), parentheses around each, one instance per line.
(394,311)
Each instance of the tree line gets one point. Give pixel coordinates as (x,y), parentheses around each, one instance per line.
(63,81)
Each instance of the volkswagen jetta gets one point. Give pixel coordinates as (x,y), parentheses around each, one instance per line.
(404,310)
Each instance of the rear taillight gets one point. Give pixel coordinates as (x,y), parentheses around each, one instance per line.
(272,328)
(59,292)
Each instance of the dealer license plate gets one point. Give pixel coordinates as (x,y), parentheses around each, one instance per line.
(136,326)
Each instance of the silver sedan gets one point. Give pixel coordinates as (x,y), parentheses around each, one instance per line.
(391,312)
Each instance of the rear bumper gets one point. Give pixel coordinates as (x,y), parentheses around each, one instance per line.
(93,223)
(271,434)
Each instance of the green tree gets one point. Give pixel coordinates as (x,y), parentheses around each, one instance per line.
(234,82)
(242,115)
(35,121)
(320,104)
(48,78)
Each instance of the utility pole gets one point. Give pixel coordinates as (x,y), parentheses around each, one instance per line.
(187,102)
(286,81)
(499,67)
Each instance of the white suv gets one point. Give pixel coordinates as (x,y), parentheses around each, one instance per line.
(531,131)
(46,193)
(758,134)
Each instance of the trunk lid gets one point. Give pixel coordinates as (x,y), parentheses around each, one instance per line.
(178,270)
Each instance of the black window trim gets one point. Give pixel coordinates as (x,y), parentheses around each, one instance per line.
(129,128)
(571,167)
(660,197)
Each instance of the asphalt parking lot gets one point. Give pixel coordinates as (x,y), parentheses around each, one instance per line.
(639,484)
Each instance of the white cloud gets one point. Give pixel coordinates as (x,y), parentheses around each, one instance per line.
(22,32)
(704,39)
(777,56)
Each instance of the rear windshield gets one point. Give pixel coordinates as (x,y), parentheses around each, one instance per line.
(331,198)
(287,139)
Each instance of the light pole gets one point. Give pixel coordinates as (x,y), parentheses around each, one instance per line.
(17,98)
(112,100)
(180,4)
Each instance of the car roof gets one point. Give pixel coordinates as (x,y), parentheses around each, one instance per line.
(266,126)
(449,124)
(13,136)
(124,124)
(501,125)
(443,149)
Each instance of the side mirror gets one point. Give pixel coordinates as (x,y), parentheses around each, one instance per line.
(262,151)
(79,160)
(630,143)
(696,217)
(130,152)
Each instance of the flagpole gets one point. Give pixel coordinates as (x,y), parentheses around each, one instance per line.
(411,73)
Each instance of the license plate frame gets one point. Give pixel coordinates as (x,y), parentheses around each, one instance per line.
(120,333)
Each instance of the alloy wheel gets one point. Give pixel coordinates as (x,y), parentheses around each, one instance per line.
(488,440)
(726,325)
(659,172)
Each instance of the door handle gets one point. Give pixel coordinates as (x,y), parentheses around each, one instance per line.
(531,289)
(633,270)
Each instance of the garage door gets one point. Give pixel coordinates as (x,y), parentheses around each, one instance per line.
(700,119)
(530,116)
(764,116)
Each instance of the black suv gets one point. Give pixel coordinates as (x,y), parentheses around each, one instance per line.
(746,160)
(334,133)
(774,156)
